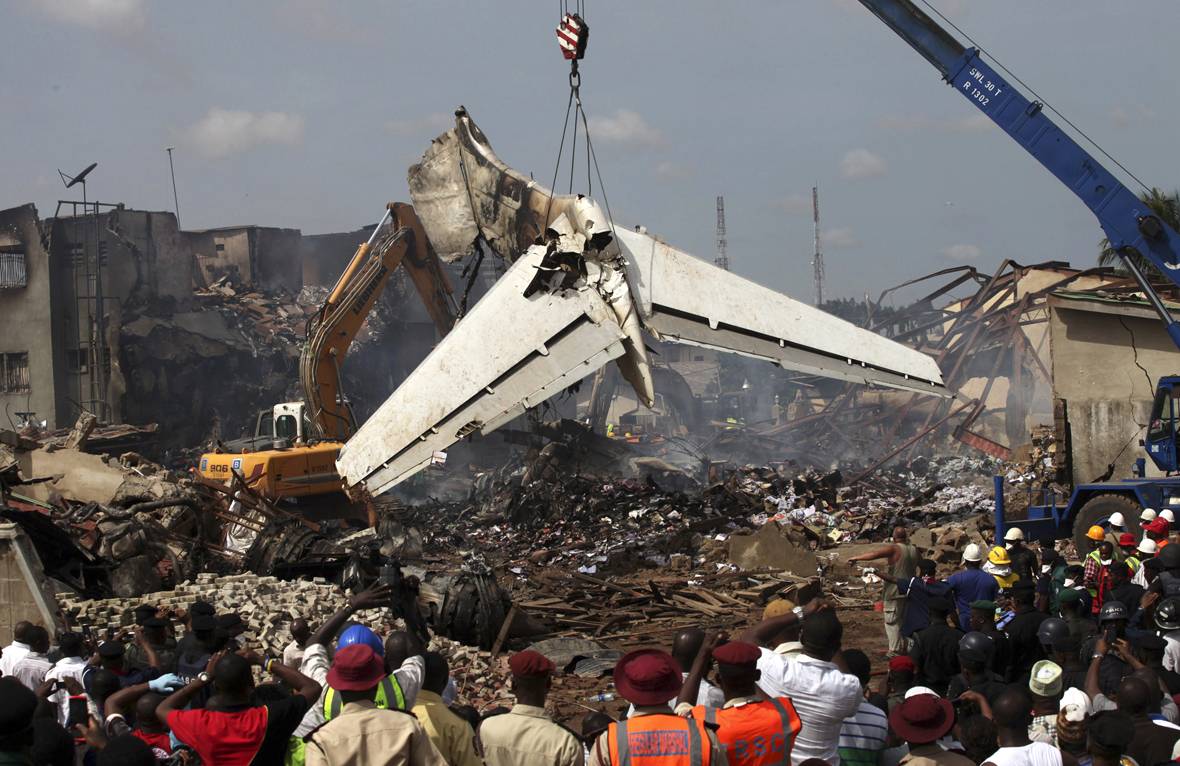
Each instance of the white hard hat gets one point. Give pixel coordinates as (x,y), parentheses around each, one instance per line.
(972,553)
(1148,514)
(914,691)
(1014,534)
(1167,514)
(1146,545)
(1117,520)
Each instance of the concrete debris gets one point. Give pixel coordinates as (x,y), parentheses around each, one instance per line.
(81,431)
(769,548)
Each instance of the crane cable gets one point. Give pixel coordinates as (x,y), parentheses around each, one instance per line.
(573,34)
(1036,95)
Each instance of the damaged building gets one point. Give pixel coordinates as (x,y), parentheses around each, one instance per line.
(118,313)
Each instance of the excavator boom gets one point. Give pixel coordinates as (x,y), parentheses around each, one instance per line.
(333,329)
(299,461)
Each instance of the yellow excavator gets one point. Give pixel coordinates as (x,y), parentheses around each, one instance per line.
(295,444)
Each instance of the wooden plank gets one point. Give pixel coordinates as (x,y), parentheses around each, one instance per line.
(503,634)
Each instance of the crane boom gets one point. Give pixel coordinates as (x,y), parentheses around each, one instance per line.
(1129,224)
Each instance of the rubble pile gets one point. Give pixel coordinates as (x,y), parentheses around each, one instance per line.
(1035,473)
(266,605)
(275,316)
(481,678)
(610,525)
(597,524)
(930,491)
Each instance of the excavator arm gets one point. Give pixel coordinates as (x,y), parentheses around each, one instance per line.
(333,328)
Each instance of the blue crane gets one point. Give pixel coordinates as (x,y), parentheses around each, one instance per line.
(1132,229)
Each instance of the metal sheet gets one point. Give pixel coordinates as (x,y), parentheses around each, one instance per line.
(686,300)
(508,354)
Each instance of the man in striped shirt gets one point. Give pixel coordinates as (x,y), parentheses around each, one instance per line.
(862,736)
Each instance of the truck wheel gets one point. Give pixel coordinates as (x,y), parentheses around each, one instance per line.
(1098,510)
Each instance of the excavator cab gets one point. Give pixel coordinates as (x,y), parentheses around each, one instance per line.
(292,423)
(1163,427)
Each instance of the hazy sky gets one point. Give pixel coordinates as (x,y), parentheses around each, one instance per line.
(306,114)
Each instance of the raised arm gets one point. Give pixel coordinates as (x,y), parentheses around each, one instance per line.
(700,665)
(880,553)
(178,699)
(1092,687)
(153,659)
(303,686)
(763,631)
(378,595)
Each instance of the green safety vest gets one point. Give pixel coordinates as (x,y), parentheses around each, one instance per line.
(388,689)
(1097,556)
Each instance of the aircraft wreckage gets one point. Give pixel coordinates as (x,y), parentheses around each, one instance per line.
(578,294)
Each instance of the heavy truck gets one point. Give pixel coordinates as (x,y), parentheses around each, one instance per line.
(293,449)
(1132,229)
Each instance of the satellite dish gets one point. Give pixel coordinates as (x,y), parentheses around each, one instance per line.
(70,181)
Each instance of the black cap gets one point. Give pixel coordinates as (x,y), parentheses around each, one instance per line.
(231,623)
(110,650)
(939,604)
(201,608)
(154,622)
(204,622)
(143,611)
(1022,586)
(1111,730)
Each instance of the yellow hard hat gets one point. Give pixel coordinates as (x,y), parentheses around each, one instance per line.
(778,608)
(1096,533)
(999,556)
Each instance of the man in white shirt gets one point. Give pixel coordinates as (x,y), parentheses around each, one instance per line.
(293,652)
(777,638)
(1012,715)
(31,669)
(71,665)
(16,651)
(823,695)
(404,661)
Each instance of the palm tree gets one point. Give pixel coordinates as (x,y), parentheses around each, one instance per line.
(1163,204)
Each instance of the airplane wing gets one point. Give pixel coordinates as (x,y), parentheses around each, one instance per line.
(508,354)
(519,346)
(686,300)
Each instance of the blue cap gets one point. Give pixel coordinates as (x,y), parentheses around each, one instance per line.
(359,634)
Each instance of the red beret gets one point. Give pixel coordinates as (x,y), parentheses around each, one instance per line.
(530,664)
(902,663)
(737,653)
(1127,540)
(648,677)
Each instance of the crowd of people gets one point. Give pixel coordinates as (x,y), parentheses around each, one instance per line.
(1019,658)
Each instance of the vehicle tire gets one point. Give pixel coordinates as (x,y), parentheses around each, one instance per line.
(1098,510)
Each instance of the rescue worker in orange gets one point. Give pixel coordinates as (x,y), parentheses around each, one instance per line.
(754,730)
(654,736)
